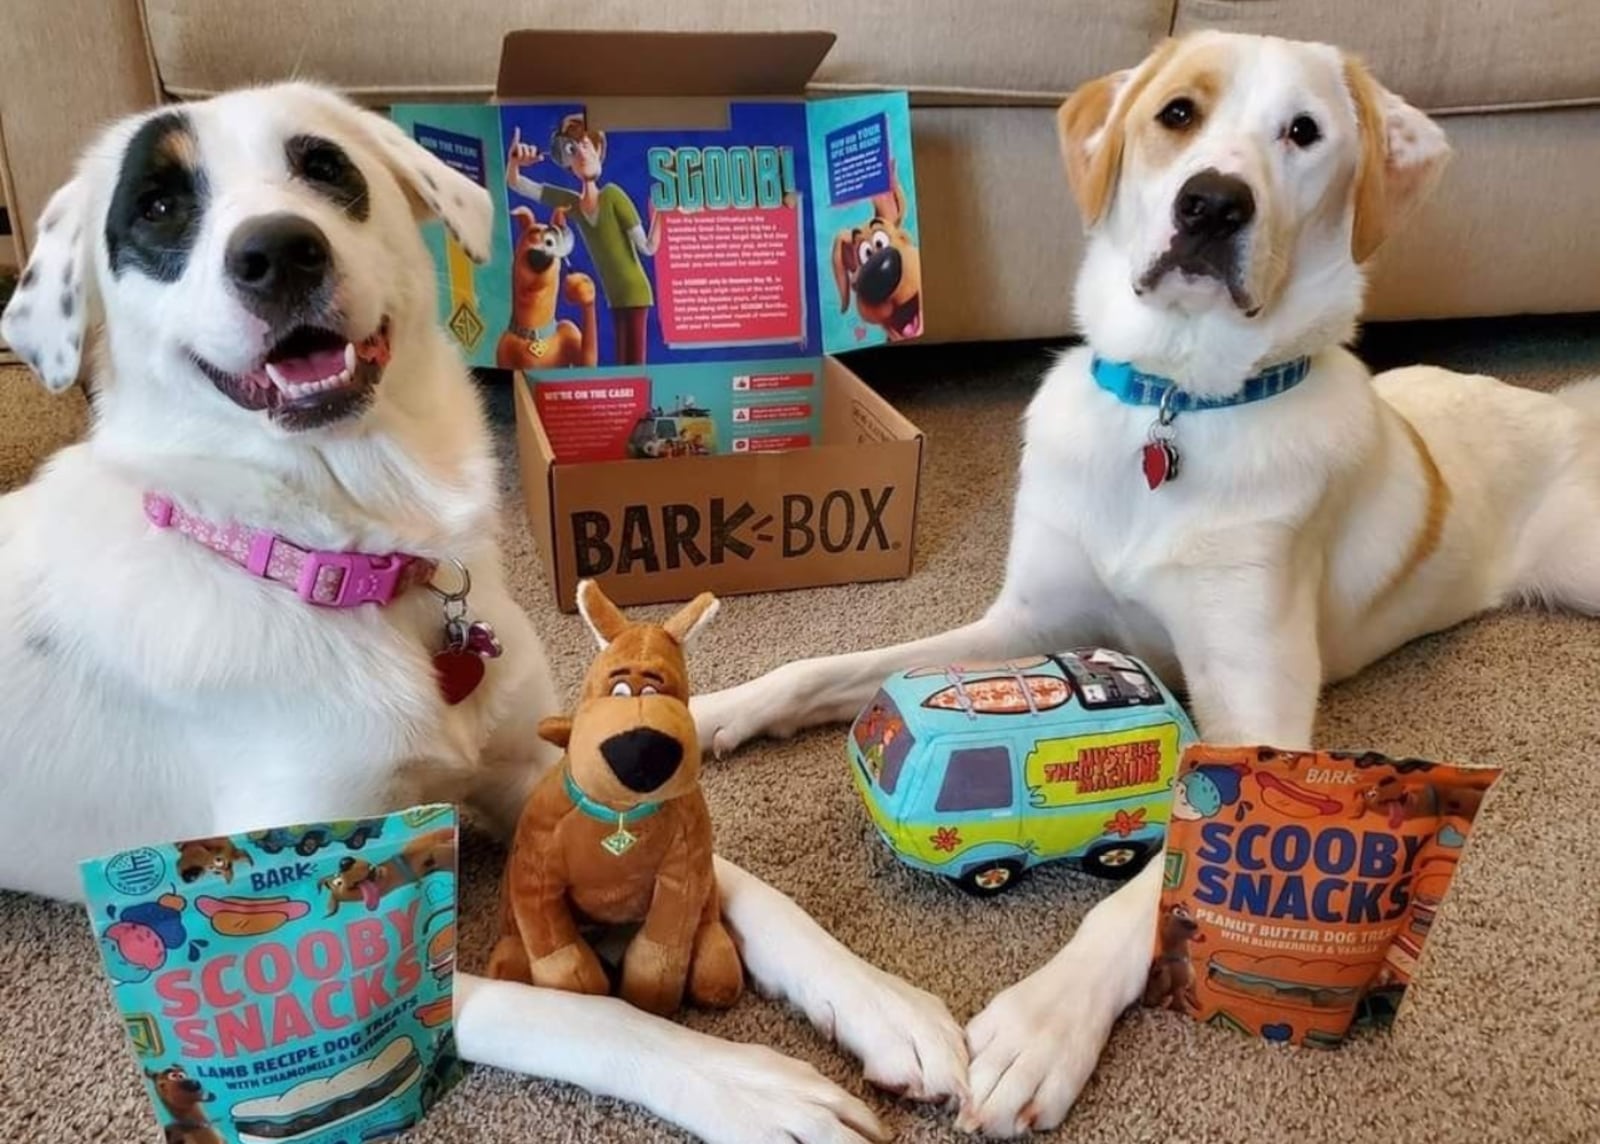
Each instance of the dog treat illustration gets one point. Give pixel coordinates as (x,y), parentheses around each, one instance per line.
(535,339)
(315,1106)
(249,917)
(359,880)
(136,943)
(606,218)
(619,833)
(202,856)
(184,1100)
(879,263)
(1171,982)
(1310,902)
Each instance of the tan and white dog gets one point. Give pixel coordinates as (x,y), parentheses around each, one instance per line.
(1232,186)
(263,307)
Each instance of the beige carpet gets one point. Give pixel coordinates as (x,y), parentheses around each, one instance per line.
(1497,1042)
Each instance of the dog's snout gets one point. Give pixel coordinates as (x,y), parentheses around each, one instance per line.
(278,259)
(190,1086)
(1213,205)
(345,864)
(538,259)
(880,276)
(642,758)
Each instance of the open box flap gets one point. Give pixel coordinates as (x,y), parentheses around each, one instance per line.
(537,64)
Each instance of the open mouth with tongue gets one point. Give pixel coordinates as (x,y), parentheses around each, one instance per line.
(312,376)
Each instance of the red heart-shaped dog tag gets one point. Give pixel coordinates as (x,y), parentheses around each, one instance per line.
(1158,463)
(459,672)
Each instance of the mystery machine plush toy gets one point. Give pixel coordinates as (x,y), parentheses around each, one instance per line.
(980,771)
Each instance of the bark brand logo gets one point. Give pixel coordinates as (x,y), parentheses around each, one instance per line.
(649,538)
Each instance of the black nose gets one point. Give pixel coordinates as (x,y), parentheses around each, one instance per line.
(345,864)
(189,873)
(877,279)
(277,261)
(643,758)
(190,1086)
(1213,205)
(539,259)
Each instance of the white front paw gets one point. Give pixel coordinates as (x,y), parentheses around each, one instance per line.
(735,1093)
(1033,1048)
(906,1039)
(729,718)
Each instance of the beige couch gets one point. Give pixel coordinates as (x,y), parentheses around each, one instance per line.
(1515,82)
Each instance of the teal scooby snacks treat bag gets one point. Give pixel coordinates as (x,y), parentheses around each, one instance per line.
(287,985)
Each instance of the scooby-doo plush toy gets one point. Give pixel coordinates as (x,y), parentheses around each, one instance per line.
(619,833)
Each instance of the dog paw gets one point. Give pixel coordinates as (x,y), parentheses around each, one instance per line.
(906,1039)
(579,289)
(735,1093)
(1033,1049)
(730,718)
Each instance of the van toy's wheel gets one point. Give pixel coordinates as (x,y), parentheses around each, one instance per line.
(990,879)
(1118,861)
(310,844)
(357,840)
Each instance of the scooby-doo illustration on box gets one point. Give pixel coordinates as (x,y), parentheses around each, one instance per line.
(643,272)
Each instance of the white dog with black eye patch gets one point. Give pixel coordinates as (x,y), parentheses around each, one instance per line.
(1213,483)
(216,612)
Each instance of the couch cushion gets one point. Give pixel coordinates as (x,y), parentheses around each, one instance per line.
(383,50)
(1439,54)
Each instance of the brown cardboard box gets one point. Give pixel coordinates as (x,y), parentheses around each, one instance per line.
(657,530)
(649,531)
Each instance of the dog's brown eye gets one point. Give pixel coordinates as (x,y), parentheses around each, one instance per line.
(1303,131)
(1178,114)
(157,208)
(323,165)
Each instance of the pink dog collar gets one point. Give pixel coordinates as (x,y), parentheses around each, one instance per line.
(327,579)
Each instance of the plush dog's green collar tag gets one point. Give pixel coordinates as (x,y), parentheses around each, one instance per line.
(623,839)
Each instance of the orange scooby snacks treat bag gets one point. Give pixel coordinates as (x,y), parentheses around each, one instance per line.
(1300,886)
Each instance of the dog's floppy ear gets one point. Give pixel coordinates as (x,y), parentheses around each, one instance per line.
(47,317)
(845,265)
(523,218)
(891,204)
(436,189)
(1403,152)
(605,621)
(1090,126)
(693,616)
(556,729)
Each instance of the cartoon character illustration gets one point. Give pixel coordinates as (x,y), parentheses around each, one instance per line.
(1401,801)
(359,880)
(136,943)
(185,1100)
(606,219)
(874,734)
(201,856)
(879,263)
(535,339)
(1171,981)
(1203,791)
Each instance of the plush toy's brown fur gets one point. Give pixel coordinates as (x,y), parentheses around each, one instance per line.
(631,741)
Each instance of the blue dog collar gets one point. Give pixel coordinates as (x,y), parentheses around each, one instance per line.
(1135,387)
(1160,460)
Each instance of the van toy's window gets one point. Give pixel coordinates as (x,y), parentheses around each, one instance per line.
(881,737)
(978,778)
